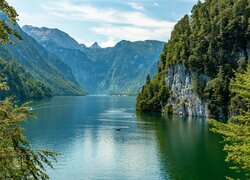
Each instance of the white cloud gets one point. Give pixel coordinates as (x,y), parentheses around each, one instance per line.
(156,4)
(132,33)
(109,43)
(113,16)
(88,43)
(83,12)
(136,6)
(114,24)
(33,19)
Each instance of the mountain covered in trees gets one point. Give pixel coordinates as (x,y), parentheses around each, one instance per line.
(198,62)
(21,84)
(116,70)
(42,65)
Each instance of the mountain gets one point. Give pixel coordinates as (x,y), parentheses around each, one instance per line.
(21,84)
(104,70)
(95,46)
(44,66)
(198,62)
(130,60)
(56,36)
(138,82)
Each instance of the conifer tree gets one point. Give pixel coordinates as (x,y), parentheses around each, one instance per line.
(17,159)
(236,131)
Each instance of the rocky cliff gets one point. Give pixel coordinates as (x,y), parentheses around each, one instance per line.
(213,46)
(183,99)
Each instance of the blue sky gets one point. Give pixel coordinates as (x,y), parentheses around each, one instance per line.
(105,21)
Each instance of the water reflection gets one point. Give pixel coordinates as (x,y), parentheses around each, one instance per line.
(186,148)
(148,146)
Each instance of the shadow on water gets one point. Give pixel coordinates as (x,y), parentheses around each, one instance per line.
(186,147)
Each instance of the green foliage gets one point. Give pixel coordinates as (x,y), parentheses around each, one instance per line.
(153,96)
(177,49)
(212,41)
(236,131)
(217,92)
(43,68)
(239,89)
(21,84)
(42,65)
(241,86)
(5,30)
(199,84)
(17,159)
(212,36)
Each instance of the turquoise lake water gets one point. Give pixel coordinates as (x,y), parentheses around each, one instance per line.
(101,137)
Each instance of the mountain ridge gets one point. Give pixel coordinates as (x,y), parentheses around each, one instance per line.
(95,67)
(41,64)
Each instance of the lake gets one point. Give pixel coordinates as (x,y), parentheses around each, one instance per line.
(101,137)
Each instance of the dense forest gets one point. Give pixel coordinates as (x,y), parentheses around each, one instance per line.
(21,84)
(213,41)
(236,132)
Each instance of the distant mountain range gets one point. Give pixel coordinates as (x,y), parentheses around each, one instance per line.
(121,69)
(58,65)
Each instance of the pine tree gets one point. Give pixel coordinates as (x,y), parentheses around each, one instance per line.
(5,30)
(17,159)
(236,131)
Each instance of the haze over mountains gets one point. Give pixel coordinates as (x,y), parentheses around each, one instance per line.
(116,70)
(62,66)
(43,65)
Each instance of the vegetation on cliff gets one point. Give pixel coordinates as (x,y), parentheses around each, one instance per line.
(213,40)
(153,96)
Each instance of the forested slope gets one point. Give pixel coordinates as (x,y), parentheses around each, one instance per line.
(21,84)
(197,63)
(41,64)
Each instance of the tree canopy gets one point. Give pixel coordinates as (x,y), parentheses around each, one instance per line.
(17,159)
(153,96)
(5,30)
(213,41)
(236,131)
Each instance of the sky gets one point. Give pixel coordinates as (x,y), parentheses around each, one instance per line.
(105,21)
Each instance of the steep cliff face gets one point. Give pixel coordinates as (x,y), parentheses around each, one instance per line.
(183,99)
(215,44)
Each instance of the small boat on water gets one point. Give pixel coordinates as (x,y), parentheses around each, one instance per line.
(31,108)
(118,129)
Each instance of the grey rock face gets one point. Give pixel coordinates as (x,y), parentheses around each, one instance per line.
(184,100)
(58,37)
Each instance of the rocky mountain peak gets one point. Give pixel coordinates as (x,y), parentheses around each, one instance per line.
(95,46)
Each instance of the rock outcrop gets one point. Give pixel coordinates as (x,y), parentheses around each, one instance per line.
(184,100)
